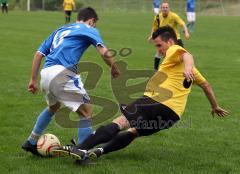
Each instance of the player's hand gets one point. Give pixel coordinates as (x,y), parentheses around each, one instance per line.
(33,86)
(150,39)
(187,35)
(219,111)
(189,74)
(115,72)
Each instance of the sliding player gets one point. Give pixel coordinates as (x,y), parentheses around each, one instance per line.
(161,106)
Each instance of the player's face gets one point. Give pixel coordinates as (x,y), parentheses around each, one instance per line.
(165,9)
(162,46)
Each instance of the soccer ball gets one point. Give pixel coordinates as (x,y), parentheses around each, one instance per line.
(47,143)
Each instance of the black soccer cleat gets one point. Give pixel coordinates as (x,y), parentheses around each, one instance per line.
(95,153)
(28,147)
(71,151)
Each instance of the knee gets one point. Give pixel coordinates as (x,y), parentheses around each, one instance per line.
(85,111)
(54,108)
(122,122)
(134,132)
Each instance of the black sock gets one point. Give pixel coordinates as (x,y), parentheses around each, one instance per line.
(156,63)
(102,135)
(119,142)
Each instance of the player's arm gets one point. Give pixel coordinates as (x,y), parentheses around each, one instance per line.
(184,26)
(32,86)
(109,60)
(154,28)
(186,32)
(188,61)
(216,109)
(73,5)
(43,50)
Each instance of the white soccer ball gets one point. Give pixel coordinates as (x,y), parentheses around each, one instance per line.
(47,143)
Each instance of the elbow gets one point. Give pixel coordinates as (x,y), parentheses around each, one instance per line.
(38,55)
(205,85)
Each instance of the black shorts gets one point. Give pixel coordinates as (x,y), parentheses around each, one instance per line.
(68,13)
(4,4)
(180,42)
(148,116)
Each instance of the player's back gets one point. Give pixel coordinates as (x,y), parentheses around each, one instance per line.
(190,5)
(66,45)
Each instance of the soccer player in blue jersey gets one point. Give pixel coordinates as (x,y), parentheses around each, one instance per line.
(156,6)
(60,82)
(191,15)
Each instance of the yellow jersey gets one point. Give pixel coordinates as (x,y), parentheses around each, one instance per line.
(68,5)
(166,86)
(172,20)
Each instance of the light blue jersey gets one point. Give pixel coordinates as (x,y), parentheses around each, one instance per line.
(156,3)
(66,45)
(190,5)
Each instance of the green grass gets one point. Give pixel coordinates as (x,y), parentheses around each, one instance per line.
(199,144)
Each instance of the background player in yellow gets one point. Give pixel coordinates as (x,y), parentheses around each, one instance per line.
(161,106)
(68,6)
(164,18)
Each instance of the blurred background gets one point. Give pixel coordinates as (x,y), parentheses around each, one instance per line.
(204,7)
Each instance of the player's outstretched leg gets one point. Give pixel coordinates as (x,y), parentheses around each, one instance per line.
(121,141)
(41,124)
(102,135)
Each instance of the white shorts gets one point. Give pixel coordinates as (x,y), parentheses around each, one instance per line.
(64,86)
(191,16)
(156,11)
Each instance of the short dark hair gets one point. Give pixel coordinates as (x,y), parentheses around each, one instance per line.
(87,13)
(165,33)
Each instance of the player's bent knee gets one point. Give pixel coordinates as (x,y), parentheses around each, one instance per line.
(122,122)
(133,131)
(54,108)
(85,110)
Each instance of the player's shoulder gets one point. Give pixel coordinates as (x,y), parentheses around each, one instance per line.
(173,14)
(175,49)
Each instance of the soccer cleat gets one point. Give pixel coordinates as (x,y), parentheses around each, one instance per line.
(95,153)
(71,151)
(28,147)
(64,150)
(73,141)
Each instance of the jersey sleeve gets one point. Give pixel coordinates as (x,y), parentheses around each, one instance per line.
(179,20)
(46,45)
(95,38)
(199,79)
(174,53)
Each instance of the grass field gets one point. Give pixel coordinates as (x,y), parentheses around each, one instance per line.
(199,144)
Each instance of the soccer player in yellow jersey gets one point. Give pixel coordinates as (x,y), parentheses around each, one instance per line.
(164,18)
(161,106)
(68,6)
